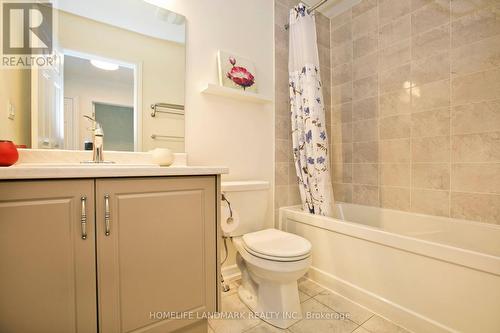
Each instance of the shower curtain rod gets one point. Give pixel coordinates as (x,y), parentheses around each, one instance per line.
(310,10)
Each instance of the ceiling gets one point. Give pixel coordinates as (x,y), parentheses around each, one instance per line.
(82,69)
(333,7)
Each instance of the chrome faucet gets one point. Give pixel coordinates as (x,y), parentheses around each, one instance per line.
(97,142)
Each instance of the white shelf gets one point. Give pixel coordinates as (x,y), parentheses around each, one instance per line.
(215,89)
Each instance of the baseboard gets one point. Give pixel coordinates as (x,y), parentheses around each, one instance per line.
(231,273)
(394,312)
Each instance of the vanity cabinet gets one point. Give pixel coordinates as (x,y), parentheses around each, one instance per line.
(150,249)
(47,271)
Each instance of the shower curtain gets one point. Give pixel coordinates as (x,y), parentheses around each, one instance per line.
(310,141)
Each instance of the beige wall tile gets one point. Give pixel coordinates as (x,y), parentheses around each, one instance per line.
(476,207)
(342,192)
(365,66)
(342,74)
(363,6)
(475,26)
(365,195)
(431,43)
(365,45)
(341,53)
(396,102)
(395,174)
(395,198)
(365,23)
(281,14)
(292,173)
(365,87)
(476,57)
(341,153)
(395,55)
(476,177)
(281,196)
(430,96)
(365,130)
(461,8)
(390,10)
(341,133)
(323,30)
(341,19)
(282,153)
(294,195)
(431,69)
(395,151)
(341,34)
(431,176)
(342,93)
(365,152)
(432,15)
(430,202)
(365,109)
(431,123)
(476,87)
(395,127)
(366,174)
(395,79)
(416,4)
(342,173)
(476,148)
(395,31)
(431,150)
(324,57)
(281,173)
(476,118)
(283,127)
(342,113)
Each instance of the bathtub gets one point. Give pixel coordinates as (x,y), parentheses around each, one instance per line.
(425,273)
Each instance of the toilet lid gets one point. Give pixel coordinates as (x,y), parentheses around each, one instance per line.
(277,243)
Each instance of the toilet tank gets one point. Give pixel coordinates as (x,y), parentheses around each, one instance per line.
(251,202)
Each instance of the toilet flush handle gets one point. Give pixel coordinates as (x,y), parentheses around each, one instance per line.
(230,219)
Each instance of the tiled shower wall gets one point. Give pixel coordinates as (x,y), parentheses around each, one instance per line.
(286,188)
(416,107)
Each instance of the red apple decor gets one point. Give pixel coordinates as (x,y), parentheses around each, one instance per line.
(240,75)
(8,153)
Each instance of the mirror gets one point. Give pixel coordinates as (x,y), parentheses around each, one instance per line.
(120,62)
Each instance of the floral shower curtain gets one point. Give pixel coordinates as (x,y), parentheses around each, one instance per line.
(310,141)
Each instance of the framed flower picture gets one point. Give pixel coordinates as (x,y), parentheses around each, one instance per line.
(236,72)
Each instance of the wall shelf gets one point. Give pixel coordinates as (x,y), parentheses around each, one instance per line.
(215,89)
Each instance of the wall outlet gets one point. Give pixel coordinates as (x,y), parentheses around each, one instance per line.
(11,111)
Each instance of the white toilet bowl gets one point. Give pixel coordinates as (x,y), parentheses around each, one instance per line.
(271,261)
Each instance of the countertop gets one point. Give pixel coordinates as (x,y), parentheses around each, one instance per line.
(65,171)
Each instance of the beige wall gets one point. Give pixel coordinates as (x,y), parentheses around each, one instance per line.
(163,65)
(416,116)
(287,190)
(15,85)
(220,130)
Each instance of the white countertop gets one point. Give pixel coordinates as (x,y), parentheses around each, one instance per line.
(64,171)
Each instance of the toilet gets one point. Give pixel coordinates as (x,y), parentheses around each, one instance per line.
(270,260)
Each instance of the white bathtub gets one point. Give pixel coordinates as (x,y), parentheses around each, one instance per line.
(426,273)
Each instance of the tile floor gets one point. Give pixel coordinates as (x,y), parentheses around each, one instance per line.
(314,299)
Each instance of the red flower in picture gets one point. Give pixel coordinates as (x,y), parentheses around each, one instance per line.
(240,75)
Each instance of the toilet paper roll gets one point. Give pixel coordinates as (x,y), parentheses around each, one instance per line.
(228,226)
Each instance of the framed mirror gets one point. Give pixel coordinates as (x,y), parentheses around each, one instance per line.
(120,62)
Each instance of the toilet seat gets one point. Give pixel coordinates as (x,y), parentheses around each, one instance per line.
(276,245)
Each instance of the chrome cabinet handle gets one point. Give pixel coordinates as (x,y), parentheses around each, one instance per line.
(107,216)
(83,219)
